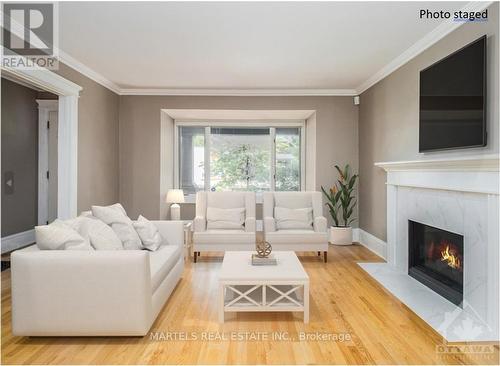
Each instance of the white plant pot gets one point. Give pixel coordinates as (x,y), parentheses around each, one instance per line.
(340,235)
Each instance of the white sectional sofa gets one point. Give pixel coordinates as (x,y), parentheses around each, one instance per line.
(311,238)
(94,293)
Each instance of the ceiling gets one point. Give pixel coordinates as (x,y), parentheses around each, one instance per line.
(241,45)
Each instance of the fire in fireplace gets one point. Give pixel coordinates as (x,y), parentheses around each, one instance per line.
(436,258)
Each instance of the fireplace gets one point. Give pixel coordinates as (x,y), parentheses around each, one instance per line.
(436,259)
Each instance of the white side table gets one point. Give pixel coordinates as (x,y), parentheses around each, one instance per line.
(187,238)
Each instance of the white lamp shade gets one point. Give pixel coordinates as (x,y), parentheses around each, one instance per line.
(175,196)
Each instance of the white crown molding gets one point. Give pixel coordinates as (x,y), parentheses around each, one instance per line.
(88,72)
(241,92)
(421,45)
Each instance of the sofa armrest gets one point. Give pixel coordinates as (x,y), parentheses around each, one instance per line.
(80,293)
(269,224)
(199,224)
(172,231)
(320,224)
(250,224)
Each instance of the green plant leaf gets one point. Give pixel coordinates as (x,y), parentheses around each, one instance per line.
(343,201)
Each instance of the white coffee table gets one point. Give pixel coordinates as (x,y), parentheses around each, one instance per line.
(243,287)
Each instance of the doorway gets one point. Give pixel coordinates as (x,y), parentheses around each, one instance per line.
(67,148)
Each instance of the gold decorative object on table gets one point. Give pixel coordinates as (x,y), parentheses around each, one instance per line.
(263,256)
(264,249)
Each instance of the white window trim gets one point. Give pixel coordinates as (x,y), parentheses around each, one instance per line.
(272,124)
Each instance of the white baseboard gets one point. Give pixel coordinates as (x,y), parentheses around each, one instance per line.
(371,242)
(16,241)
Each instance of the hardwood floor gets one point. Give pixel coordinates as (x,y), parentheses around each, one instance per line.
(345,302)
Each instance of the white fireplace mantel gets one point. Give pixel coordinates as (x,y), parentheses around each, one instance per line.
(475,174)
(460,195)
(483,163)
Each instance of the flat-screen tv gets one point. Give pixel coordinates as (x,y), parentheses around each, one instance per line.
(453,100)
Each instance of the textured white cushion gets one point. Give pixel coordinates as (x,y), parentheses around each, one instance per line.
(116,217)
(149,234)
(224,237)
(293,218)
(226,199)
(296,237)
(225,218)
(100,235)
(59,236)
(292,199)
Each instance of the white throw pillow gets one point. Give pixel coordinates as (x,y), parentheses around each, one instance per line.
(59,236)
(149,234)
(225,218)
(100,235)
(293,218)
(116,217)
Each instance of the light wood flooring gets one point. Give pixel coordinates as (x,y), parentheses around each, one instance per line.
(345,302)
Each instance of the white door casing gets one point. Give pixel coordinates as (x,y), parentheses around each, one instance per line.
(47,186)
(53,142)
(68,92)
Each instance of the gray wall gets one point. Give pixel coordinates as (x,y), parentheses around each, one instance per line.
(388,118)
(97,141)
(19,155)
(98,111)
(336,139)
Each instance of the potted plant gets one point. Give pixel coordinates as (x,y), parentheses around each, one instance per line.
(341,203)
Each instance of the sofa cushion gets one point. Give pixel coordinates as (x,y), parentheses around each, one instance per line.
(60,236)
(225,218)
(116,217)
(296,237)
(149,234)
(293,218)
(224,237)
(100,235)
(161,262)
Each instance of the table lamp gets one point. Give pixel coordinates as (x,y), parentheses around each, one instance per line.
(175,196)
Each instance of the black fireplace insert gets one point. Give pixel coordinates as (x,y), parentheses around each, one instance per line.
(436,258)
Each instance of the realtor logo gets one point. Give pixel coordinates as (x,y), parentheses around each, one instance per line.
(29,35)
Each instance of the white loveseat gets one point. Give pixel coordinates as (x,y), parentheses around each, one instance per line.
(94,293)
(222,239)
(312,238)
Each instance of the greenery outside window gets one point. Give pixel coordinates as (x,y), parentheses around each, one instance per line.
(248,158)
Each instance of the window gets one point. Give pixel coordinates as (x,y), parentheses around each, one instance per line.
(287,159)
(240,159)
(192,159)
(221,158)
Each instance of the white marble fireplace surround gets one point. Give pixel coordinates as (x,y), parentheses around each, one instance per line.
(458,195)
